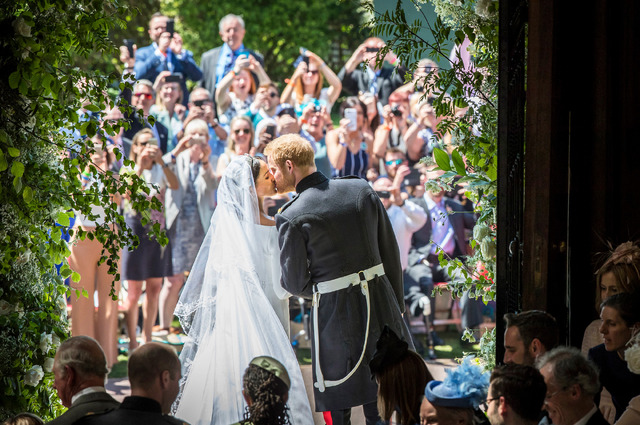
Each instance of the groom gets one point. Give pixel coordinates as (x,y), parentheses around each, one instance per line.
(337,247)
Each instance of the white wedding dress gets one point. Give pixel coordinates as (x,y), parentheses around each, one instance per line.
(234,309)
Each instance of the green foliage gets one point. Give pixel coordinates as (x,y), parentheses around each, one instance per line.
(466,102)
(275,28)
(43,149)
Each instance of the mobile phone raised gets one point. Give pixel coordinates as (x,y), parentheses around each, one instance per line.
(352,115)
(129,42)
(171,26)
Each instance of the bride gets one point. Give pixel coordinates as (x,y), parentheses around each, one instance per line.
(233,307)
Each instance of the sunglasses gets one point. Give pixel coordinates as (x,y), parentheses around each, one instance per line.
(144,95)
(242,131)
(312,72)
(394,162)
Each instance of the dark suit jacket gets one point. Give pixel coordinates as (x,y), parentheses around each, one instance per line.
(597,419)
(333,228)
(89,404)
(134,410)
(358,81)
(209,64)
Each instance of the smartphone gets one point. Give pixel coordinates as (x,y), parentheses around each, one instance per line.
(271,129)
(170,26)
(305,59)
(352,115)
(129,42)
(197,140)
(152,142)
(173,78)
(383,194)
(272,211)
(243,54)
(413,178)
(372,49)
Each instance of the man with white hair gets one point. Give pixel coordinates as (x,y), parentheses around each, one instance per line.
(572,382)
(80,370)
(217,62)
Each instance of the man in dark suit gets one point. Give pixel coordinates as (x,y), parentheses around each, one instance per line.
(217,62)
(337,246)
(446,227)
(80,370)
(374,79)
(572,383)
(154,374)
(516,395)
(165,53)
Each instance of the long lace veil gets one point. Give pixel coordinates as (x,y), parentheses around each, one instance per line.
(224,256)
(226,312)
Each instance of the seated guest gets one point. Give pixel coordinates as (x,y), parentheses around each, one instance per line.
(401,375)
(266,386)
(572,382)
(516,395)
(620,316)
(154,374)
(80,370)
(528,334)
(631,415)
(456,399)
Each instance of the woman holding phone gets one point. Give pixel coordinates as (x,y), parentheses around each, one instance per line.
(236,91)
(306,83)
(149,262)
(188,210)
(348,146)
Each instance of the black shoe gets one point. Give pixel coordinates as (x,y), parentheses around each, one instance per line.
(435,338)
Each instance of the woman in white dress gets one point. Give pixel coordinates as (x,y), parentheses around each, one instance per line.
(232,307)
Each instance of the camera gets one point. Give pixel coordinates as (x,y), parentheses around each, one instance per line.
(199,103)
(173,78)
(395,110)
(317,108)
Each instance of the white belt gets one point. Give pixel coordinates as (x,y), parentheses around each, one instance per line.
(361,278)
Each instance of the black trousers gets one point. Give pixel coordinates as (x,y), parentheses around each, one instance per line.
(343,417)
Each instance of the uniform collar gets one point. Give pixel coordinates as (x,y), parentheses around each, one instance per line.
(311,180)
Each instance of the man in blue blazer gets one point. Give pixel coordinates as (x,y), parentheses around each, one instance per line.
(165,53)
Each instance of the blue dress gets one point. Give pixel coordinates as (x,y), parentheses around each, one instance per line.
(356,164)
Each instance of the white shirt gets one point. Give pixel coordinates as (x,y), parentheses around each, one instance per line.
(406,220)
(88,390)
(586,417)
(442,232)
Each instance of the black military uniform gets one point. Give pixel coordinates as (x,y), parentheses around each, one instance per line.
(134,410)
(330,230)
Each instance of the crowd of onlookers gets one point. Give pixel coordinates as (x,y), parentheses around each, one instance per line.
(384,128)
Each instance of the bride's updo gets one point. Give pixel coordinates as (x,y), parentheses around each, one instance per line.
(254,163)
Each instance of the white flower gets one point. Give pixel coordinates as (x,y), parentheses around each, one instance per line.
(488,249)
(21,28)
(481,231)
(33,375)
(55,340)
(632,356)
(46,340)
(5,308)
(48,364)
(482,8)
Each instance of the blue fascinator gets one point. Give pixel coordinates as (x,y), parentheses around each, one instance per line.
(465,386)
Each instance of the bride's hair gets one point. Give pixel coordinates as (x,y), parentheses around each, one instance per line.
(268,394)
(255,164)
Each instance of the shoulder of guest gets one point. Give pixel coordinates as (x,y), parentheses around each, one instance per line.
(173,420)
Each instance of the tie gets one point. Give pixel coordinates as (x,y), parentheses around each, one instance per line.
(231,60)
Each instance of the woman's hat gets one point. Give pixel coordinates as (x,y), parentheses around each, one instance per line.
(465,386)
(274,366)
